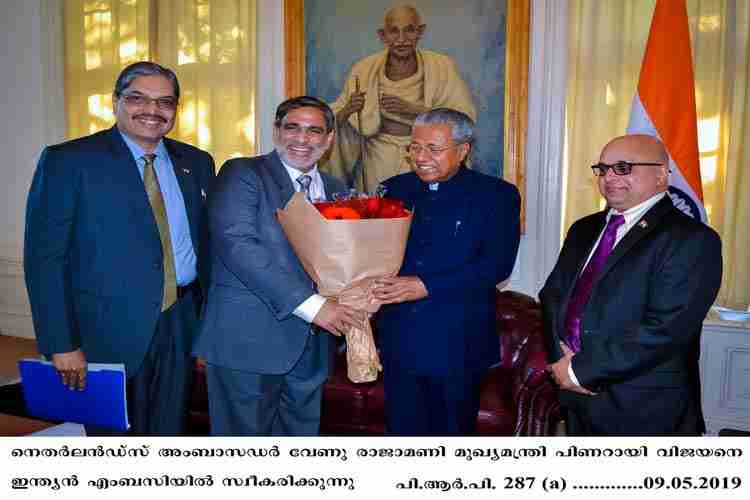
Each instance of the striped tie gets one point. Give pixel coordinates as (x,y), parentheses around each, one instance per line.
(304,182)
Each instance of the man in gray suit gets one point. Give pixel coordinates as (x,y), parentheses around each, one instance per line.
(266,362)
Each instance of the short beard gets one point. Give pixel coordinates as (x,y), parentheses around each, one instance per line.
(317,153)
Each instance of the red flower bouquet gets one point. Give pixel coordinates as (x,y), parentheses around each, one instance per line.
(344,246)
(372,207)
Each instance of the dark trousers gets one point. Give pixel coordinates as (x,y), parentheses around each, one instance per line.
(157,395)
(576,425)
(243,403)
(431,406)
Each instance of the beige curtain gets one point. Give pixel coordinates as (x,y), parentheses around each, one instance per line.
(210,44)
(607,40)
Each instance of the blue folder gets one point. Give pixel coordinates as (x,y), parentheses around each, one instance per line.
(103,403)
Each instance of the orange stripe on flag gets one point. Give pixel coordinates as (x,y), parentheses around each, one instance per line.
(667,89)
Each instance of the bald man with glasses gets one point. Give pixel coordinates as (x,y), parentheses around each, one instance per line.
(624,305)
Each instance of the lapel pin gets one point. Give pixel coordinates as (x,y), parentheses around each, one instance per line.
(203,194)
(186,170)
(643,224)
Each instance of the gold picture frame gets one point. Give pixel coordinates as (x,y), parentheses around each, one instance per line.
(516,80)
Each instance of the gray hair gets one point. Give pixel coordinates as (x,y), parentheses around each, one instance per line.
(145,68)
(305,101)
(462,127)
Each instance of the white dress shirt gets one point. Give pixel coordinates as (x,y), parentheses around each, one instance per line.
(317,188)
(308,309)
(632,216)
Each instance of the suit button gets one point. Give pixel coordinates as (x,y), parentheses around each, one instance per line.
(420,263)
(157,304)
(157,264)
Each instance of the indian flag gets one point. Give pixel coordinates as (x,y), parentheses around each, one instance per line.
(664,105)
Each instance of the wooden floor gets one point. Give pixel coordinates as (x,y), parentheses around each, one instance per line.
(11,350)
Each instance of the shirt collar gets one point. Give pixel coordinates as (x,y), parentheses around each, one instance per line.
(295,173)
(445,186)
(633,214)
(138,152)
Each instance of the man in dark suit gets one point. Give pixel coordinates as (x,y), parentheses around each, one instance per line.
(266,364)
(438,335)
(114,250)
(623,307)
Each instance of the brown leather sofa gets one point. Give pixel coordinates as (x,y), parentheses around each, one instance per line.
(517,398)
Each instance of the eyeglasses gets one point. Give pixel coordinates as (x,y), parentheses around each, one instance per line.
(296,128)
(619,168)
(415,149)
(140,100)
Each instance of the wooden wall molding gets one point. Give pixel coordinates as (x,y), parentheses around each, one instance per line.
(294,47)
(518,27)
(725,376)
(15,312)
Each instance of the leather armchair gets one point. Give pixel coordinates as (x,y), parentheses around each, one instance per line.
(517,397)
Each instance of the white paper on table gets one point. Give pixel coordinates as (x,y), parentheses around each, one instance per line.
(68,429)
(9,380)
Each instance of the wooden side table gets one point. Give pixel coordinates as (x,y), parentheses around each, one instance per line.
(13,349)
(20,426)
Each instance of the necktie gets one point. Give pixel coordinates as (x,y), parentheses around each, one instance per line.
(156,200)
(304,182)
(585,282)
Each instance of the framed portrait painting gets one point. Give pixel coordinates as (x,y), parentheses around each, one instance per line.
(470,55)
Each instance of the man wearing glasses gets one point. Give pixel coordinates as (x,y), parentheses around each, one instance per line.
(623,307)
(115,250)
(437,332)
(267,357)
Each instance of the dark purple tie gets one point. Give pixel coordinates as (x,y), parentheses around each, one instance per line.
(585,282)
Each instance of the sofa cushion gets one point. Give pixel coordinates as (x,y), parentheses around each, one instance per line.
(496,416)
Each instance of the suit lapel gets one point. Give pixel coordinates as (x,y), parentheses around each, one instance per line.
(280,177)
(329,185)
(588,240)
(186,178)
(643,227)
(125,175)
(580,252)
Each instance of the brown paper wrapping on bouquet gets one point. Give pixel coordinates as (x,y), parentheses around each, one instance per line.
(344,257)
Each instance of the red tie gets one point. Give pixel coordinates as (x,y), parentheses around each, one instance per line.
(585,282)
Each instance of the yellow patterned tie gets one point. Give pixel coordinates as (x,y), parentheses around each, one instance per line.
(156,200)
